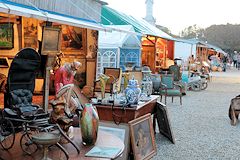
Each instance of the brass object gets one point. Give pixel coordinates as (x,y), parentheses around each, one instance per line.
(103,81)
(126,79)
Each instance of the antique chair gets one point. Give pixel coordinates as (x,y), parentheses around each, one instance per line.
(169,88)
(175,70)
(177,77)
(114,82)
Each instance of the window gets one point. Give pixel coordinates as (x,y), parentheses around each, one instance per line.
(129,55)
(106,58)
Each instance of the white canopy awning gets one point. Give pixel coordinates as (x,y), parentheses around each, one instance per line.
(117,39)
(33,12)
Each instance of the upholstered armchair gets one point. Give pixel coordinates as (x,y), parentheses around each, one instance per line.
(169,88)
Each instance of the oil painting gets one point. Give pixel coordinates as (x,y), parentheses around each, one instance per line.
(71,38)
(30,32)
(6,35)
(142,137)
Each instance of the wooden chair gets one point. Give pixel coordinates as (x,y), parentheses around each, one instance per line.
(114,82)
(169,88)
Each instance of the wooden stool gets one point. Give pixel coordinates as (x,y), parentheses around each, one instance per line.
(46,139)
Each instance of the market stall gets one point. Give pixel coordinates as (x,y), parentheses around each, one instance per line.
(157,46)
(24,24)
(116,49)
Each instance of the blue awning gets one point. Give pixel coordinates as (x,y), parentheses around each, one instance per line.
(45,15)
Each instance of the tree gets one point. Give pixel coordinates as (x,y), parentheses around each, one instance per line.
(193,32)
(166,30)
(226,36)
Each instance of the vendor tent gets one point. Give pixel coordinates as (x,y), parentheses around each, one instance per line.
(115,49)
(111,16)
(157,46)
(184,48)
(47,15)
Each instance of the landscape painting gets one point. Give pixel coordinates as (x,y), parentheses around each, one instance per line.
(6,35)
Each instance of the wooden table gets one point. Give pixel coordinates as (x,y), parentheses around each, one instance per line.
(104,139)
(107,113)
(118,114)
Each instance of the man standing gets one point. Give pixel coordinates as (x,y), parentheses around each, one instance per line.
(235,57)
(224,60)
(238,61)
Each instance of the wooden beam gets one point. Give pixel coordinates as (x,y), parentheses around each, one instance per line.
(10,20)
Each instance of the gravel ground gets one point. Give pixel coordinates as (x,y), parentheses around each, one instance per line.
(201,126)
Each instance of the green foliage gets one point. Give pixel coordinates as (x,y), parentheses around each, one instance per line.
(226,36)
(192,32)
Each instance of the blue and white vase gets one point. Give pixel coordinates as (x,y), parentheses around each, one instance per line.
(132,91)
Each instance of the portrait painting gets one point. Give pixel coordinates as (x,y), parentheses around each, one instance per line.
(72,38)
(142,137)
(6,36)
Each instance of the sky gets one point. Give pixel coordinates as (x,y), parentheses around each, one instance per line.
(179,14)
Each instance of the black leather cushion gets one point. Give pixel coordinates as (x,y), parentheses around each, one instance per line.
(22,99)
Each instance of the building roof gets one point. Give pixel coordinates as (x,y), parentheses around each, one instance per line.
(114,17)
(117,39)
(217,49)
(34,12)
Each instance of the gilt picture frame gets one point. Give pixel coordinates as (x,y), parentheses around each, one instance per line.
(142,137)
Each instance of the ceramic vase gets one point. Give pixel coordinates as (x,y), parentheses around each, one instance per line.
(146,82)
(156,81)
(132,91)
(89,124)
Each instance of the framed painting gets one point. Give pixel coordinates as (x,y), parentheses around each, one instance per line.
(30,29)
(6,36)
(142,137)
(51,40)
(72,38)
(121,131)
(163,122)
